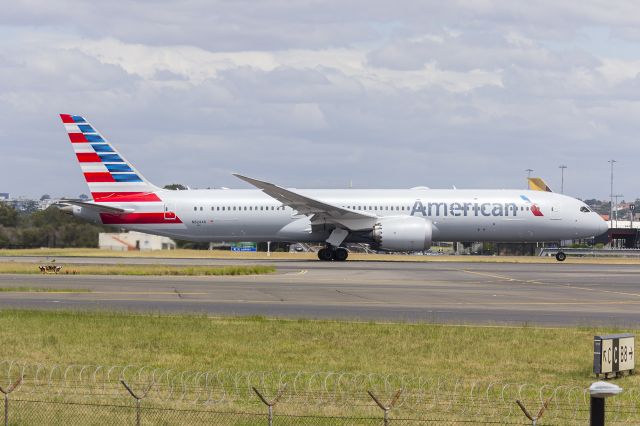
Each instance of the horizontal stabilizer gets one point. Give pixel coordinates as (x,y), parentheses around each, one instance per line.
(100,208)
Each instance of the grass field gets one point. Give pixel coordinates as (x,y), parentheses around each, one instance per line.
(225,254)
(476,372)
(31,268)
(512,354)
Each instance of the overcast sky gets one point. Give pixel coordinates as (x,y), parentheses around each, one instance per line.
(313,94)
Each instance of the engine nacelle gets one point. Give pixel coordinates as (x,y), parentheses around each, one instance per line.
(403,233)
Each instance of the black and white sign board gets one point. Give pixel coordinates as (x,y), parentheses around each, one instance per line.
(613,354)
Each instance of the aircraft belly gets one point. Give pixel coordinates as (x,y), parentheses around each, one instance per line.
(238,229)
(497,229)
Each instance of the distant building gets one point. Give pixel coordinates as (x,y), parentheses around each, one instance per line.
(4,196)
(128,241)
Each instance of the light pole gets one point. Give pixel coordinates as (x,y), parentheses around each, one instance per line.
(562,167)
(528,175)
(612,161)
(616,198)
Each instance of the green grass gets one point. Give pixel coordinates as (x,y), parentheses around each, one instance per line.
(514,354)
(553,356)
(43,290)
(31,268)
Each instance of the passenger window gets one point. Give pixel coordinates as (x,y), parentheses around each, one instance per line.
(195,209)
(223,208)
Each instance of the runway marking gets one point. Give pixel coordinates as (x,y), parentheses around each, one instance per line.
(484,274)
(300,272)
(597,290)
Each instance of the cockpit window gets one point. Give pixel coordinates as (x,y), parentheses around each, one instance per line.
(585,209)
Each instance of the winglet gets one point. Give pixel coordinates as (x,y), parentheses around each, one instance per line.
(537,184)
(255,182)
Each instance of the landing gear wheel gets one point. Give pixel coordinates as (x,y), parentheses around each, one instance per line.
(325,254)
(340,254)
(560,256)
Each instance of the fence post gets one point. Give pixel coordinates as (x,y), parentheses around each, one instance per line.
(534,419)
(271,403)
(6,393)
(137,397)
(386,408)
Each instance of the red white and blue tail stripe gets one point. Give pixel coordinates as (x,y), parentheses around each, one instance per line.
(113,180)
(109,175)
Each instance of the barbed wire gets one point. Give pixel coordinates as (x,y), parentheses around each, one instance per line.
(320,390)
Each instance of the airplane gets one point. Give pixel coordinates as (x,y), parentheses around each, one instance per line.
(390,220)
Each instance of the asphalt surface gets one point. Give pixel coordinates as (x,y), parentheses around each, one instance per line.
(465,293)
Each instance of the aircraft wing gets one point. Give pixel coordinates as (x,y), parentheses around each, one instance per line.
(100,208)
(319,211)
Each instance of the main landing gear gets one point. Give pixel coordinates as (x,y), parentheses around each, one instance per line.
(561,256)
(339,254)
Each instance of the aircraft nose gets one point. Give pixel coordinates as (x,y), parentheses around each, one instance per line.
(602,226)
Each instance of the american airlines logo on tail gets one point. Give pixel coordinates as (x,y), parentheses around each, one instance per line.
(112,179)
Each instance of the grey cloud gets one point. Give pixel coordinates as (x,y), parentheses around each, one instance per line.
(475,50)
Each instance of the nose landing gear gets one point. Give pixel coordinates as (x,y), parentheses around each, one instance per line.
(339,254)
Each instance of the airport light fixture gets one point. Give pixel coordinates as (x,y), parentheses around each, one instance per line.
(612,161)
(562,167)
(599,391)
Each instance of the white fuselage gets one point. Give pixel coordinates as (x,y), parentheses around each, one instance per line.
(456,215)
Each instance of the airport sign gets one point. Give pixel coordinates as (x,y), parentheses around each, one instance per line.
(613,354)
(244,247)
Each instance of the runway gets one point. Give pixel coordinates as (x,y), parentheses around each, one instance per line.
(466,293)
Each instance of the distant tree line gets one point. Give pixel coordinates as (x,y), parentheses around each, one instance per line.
(45,228)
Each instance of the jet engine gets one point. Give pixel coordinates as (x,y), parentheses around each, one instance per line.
(402,233)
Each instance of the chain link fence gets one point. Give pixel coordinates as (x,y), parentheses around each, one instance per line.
(87,395)
(32,412)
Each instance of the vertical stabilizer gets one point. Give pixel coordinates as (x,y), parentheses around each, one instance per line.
(111,178)
(537,184)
